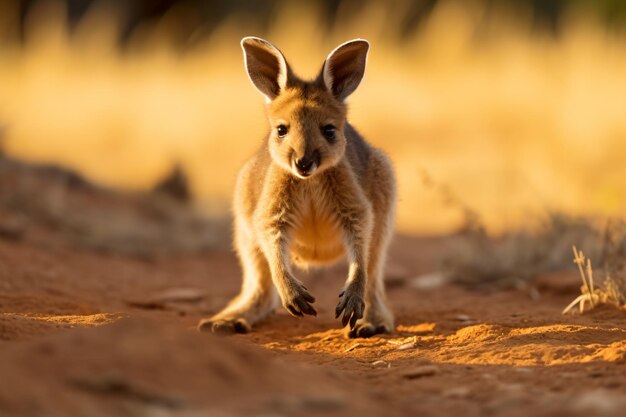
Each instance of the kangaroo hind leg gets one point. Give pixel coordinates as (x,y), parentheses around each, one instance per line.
(257,297)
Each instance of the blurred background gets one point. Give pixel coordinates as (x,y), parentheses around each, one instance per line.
(507,109)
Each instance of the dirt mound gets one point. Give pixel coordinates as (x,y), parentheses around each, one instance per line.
(535,345)
(481,344)
(15,326)
(141,367)
(49,205)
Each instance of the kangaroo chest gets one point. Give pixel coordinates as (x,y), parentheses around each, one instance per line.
(317,235)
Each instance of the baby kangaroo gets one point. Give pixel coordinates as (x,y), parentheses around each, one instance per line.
(313,192)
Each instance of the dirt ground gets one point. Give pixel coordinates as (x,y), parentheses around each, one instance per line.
(101,291)
(89,334)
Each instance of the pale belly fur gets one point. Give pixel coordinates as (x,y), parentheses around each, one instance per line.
(317,239)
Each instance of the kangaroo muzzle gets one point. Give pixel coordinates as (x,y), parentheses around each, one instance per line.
(306,165)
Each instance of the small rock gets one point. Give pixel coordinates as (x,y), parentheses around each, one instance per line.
(429,281)
(407,346)
(405,343)
(420,372)
(458,392)
(464,318)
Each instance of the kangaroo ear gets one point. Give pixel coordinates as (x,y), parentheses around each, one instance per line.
(344,67)
(266,66)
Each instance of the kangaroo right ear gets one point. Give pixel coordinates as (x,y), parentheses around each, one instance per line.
(344,68)
(266,66)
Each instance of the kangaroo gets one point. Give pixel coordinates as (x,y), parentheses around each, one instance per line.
(313,192)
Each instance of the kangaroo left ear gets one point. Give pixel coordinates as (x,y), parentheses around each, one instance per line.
(344,68)
(266,66)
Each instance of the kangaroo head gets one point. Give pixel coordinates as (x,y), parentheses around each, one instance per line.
(307,118)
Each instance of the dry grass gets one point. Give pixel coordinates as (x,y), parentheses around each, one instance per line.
(612,292)
(513,119)
(614,264)
(516,257)
(513,258)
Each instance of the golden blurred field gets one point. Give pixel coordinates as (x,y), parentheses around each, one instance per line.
(514,121)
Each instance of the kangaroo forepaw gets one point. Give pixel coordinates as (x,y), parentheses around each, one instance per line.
(297,300)
(351,304)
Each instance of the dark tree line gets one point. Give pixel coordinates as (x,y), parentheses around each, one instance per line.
(203,15)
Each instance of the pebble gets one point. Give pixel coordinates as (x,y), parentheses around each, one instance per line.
(407,346)
(463,318)
(458,392)
(430,281)
(420,372)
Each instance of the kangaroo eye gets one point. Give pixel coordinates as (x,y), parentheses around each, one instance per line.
(281,130)
(329,132)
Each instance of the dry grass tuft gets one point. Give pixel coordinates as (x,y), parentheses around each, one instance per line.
(611,292)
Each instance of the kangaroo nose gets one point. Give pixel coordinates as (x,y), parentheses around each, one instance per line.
(307,164)
(304,164)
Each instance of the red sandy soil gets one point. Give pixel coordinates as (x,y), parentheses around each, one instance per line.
(89,334)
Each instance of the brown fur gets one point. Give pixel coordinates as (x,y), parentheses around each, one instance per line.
(344,207)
